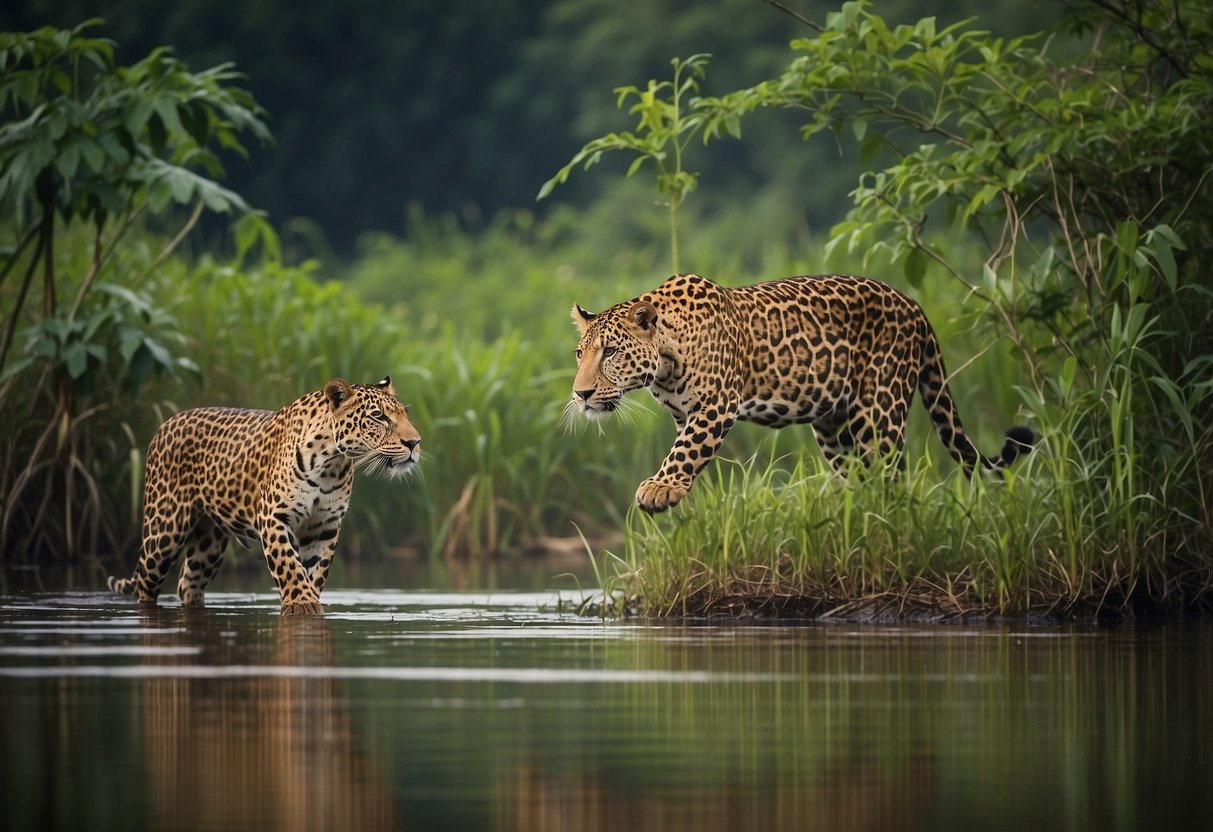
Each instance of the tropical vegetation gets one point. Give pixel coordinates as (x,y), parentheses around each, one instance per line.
(1088,182)
(1046,197)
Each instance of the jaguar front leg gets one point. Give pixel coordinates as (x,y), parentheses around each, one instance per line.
(295,587)
(699,438)
(316,549)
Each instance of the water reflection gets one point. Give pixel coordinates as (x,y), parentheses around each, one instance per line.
(496,711)
(859,793)
(253,752)
(882,728)
(815,743)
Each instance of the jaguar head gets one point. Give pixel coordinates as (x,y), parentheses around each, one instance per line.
(617,353)
(372,427)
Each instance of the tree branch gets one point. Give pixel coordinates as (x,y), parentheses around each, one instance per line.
(816,27)
(30,234)
(11,329)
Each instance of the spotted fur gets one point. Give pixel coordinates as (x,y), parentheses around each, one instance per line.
(843,354)
(279,478)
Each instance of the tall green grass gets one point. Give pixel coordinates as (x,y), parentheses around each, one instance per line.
(474,330)
(1080,527)
(758,537)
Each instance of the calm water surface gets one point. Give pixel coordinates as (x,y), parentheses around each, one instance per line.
(477,710)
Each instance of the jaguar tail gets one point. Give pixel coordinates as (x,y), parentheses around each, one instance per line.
(123,586)
(937,398)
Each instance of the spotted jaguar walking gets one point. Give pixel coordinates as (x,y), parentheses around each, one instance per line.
(281,478)
(843,354)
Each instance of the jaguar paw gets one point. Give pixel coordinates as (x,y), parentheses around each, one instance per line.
(302,608)
(656,495)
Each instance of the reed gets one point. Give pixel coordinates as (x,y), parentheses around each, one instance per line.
(486,373)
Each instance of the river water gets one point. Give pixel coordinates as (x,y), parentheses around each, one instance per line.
(502,710)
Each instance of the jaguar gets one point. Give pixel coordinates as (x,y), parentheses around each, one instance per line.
(281,478)
(844,354)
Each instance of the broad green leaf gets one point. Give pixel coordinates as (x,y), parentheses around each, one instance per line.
(1166,261)
(115,148)
(1126,237)
(166,108)
(137,116)
(732,124)
(159,195)
(870,147)
(130,339)
(158,353)
(94,154)
(181,183)
(67,160)
(990,278)
(75,358)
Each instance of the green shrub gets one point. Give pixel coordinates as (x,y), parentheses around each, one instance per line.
(89,151)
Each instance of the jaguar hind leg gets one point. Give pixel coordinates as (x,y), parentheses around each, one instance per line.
(864,437)
(843,436)
(164,536)
(202,555)
(836,443)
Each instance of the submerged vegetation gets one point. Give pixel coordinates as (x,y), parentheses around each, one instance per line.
(1052,219)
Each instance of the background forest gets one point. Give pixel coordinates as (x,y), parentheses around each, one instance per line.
(353,192)
(467,108)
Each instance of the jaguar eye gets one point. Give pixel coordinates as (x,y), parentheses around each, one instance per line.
(607,352)
(578,355)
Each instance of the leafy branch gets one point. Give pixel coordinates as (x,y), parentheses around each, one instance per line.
(88,140)
(667,124)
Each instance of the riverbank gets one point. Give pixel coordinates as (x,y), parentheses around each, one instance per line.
(915,605)
(787,540)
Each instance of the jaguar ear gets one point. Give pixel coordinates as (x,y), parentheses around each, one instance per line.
(582,318)
(644,315)
(337,391)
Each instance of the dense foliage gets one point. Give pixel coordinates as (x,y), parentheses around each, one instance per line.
(1090,181)
(463,107)
(96,148)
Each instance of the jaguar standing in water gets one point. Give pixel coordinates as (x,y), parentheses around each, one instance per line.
(282,478)
(844,354)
